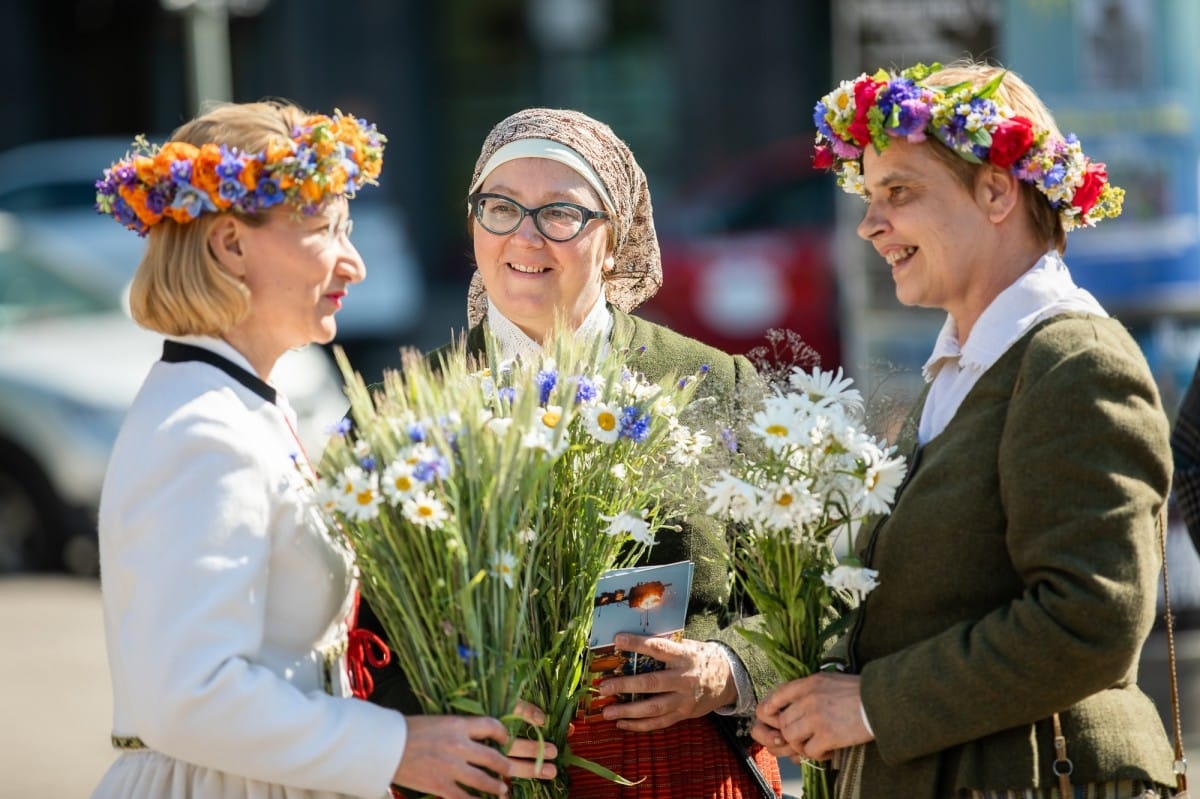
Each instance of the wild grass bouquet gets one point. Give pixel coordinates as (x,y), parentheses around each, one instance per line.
(484,500)
(804,476)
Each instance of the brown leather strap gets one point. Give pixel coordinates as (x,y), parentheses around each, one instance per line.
(1177,726)
(1062,764)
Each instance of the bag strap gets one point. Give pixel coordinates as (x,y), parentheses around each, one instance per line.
(743,755)
(1177,726)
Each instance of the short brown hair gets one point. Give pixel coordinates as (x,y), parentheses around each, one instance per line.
(180,288)
(1017,95)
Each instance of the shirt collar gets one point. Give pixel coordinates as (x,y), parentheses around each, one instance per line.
(1045,290)
(514,342)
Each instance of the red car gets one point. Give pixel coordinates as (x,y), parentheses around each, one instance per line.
(749,249)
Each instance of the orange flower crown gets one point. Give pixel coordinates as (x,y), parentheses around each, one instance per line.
(325,157)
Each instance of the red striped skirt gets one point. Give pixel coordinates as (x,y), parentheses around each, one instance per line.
(690,760)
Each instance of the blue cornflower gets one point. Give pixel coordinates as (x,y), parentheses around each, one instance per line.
(416,432)
(585,389)
(546,380)
(367,463)
(635,425)
(506,394)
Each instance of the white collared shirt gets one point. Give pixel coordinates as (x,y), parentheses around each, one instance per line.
(1045,290)
(514,342)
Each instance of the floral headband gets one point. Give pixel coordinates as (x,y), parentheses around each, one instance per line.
(325,157)
(872,109)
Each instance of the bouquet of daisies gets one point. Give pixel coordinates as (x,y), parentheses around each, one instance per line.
(805,475)
(484,500)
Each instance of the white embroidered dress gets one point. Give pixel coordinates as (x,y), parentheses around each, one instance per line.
(226,605)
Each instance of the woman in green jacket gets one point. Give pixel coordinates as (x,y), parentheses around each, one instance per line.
(562,225)
(1017,569)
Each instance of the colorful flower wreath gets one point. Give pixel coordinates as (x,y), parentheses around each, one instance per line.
(325,157)
(873,109)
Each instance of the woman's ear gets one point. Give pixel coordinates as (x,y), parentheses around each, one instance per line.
(997,191)
(225,243)
(608,264)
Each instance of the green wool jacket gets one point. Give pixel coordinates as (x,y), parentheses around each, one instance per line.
(715,611)
(1017,577)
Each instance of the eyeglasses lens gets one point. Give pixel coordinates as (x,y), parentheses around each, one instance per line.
(558,222)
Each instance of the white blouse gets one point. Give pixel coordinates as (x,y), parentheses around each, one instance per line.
(226,605)
(1045,290)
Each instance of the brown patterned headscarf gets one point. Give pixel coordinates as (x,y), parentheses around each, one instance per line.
(637,272)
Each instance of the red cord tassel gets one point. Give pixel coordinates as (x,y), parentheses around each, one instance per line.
(363,647)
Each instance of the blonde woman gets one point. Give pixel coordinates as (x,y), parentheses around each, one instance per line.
(227,603)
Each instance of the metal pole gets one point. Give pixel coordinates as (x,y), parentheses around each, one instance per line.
(206,49)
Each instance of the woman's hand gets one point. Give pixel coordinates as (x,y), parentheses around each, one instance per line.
(696,680)
(811,717)
(446,754)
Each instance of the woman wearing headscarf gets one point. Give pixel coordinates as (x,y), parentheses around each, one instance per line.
(562,226)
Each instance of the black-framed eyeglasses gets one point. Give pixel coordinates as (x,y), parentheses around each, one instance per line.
(561,221)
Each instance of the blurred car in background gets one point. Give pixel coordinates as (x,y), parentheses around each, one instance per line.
(71,361)
(749,248)
(50,187)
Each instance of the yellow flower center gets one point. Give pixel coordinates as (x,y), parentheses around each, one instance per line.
(403,483)
(365,497)
(606,421)
(425,511)
(784,499)
(777,430)
(551,418)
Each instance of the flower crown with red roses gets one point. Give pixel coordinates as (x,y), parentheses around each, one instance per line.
(326,156)
(872,109)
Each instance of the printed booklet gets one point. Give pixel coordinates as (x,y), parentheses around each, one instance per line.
(645,600)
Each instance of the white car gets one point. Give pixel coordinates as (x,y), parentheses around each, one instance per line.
(71,361)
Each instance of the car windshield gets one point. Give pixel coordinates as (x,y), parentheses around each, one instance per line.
(31,288)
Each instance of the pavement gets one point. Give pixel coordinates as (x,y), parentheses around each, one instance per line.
(54,694)
(55,697)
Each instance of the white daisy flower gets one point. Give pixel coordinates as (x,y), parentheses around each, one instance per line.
(398,482)
(425,510)
(500,425)
(883,477)
(827,389)
(858,580)
(731,496)
(778,424)
(631,523)
(504,565)
(358,494)
(603,422)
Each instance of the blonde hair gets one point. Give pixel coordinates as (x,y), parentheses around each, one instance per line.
(1017,95)
(180,287)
